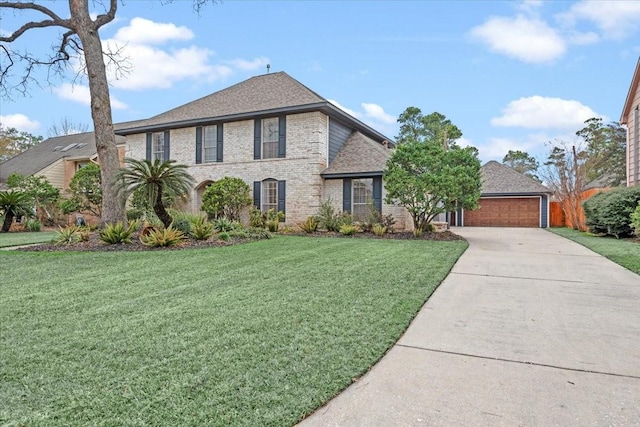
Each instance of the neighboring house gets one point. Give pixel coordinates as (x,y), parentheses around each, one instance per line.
(293,147)
(631,118)
(508,199)
(57,158)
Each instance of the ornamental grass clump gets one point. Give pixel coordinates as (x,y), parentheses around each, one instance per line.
(201,228)
(67,235)
(163,237)
(348,229)
(118,233)
(379,229)
(310,225)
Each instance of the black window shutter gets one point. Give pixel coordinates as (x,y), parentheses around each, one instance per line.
(346,195)
(166,146)
(149,145)
(198,145)
(256,193)
(282,137)
(257,139)
(377,193)
(219,149)
(282,197)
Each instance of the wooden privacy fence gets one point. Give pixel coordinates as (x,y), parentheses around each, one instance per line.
(557,218)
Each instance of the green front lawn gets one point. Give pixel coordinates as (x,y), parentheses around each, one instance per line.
(23,238)
(621,251)
(254,334)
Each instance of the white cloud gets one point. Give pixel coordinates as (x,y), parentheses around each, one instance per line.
(81,94)
(526,39)
(376,112)
(150,61)
(544,113)
(244,65)
(464,142)
(345,109)
(19,122)
(529,6)
(144,31)
(616,19)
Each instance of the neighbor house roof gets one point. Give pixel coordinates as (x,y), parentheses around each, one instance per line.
(274,93)
(38,157)
(359,156)
(499,179)
(633,89)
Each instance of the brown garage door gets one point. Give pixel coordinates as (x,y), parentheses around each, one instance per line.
(505,212)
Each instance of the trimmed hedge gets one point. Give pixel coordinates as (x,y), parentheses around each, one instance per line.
(609,212)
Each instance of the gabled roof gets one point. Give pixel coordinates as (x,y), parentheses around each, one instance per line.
(633,89)
(359,156)
(499,179)
(274,93)
(38,157)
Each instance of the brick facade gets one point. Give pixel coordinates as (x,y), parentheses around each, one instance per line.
(306,158)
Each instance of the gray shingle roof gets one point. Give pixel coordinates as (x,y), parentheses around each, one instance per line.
(500,179)
(38,157)
(359,154)
(261,93)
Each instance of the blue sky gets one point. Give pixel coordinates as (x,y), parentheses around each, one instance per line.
(510,75)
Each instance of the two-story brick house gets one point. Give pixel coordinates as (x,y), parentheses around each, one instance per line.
(293,147)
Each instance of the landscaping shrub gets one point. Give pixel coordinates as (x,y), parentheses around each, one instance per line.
(67,235)
(273,220)
(610,212)
(33,225)
(223,224)
(183,225)
(201,228)
(635,221)
(118,233)
(310,225)
(224,236)
(373,217)
(226,198)
(388,221)
(348,229)
(327,217)
(256,217)
(162,237)
(379,229)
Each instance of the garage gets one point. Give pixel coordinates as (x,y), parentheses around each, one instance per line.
(505,212)
(508,199)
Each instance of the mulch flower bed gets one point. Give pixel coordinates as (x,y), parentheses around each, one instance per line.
(95,244)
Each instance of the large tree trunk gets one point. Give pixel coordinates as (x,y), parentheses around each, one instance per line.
(112,206)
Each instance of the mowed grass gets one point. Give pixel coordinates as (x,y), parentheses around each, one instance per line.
(18,239)
(625,252)
(255,334)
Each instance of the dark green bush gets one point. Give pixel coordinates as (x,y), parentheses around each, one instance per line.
(327,217)
(183,225)
(610,212)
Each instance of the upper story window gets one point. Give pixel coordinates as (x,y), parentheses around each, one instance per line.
(158,146)
(270,138)
(209,143)
(209,151)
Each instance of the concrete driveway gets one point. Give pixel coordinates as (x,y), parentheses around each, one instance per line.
(529,329)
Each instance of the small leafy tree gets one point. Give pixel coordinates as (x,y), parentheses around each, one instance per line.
(606,150)
(154,179)
(86,191)
(523,163)
(226,198)
(13,204)
(429,180)
(13,141)
(38,189)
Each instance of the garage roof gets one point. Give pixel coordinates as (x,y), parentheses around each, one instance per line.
(499,179)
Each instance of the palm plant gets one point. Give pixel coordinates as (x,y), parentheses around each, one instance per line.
(13,204)
(154,179)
